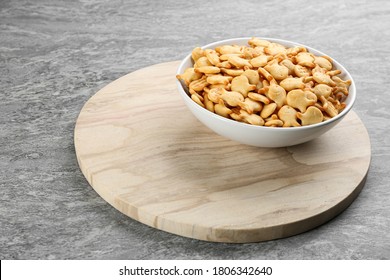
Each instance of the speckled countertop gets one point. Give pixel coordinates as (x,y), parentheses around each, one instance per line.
(54,55)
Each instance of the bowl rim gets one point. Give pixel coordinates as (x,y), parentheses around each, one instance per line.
(349,106)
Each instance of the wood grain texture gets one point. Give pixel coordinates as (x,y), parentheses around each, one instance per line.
(145,154)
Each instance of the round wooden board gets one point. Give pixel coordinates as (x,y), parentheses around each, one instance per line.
(146,154)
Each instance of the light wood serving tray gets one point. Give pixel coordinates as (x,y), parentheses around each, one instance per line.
(146,154)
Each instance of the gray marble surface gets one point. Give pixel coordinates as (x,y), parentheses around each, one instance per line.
(54,55)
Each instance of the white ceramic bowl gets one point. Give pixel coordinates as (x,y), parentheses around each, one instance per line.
(262,136)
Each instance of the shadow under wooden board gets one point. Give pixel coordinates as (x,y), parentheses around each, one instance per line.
(146,154)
